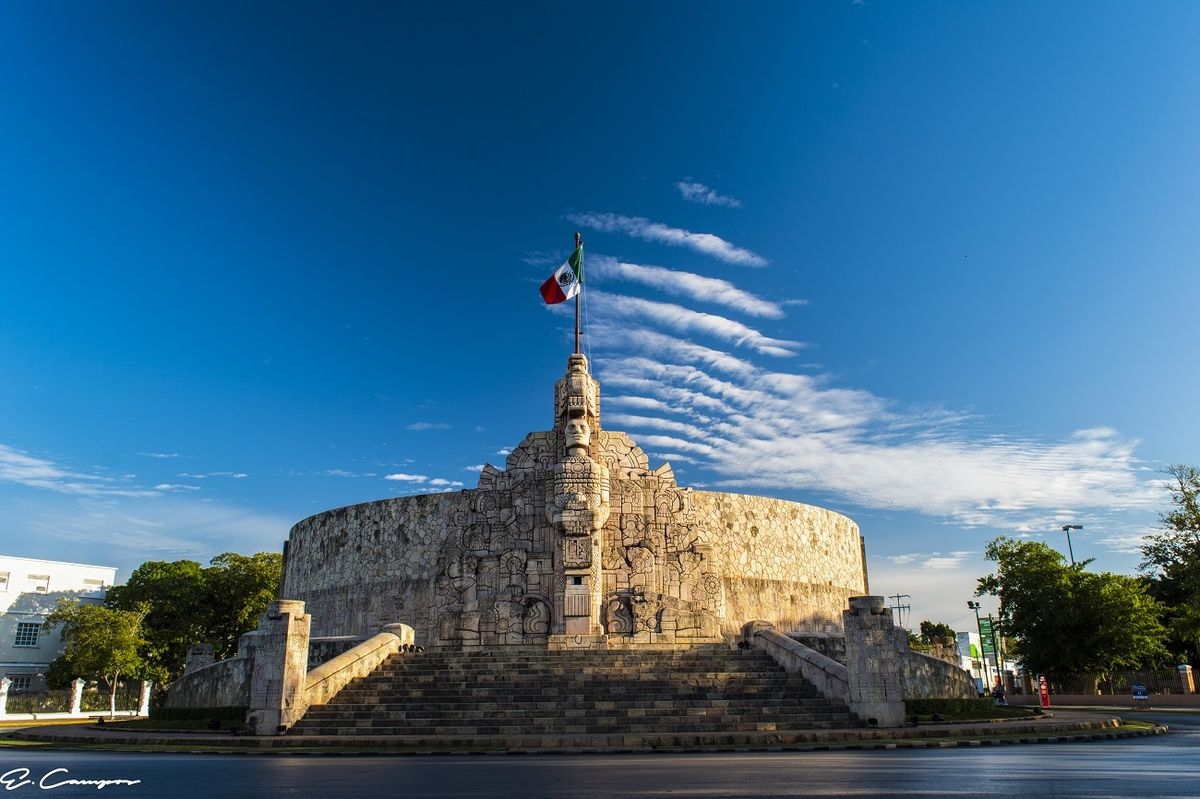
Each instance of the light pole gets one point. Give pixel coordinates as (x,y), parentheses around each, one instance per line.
(982,655)
(1067,528)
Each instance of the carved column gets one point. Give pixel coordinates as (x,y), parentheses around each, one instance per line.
(280,668)
(873,662)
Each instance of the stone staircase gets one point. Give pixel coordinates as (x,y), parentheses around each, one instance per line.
(705,693)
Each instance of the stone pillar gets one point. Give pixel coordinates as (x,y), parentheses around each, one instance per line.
(198,656)
(77,696)
(1185,679)
(280,668)
(5,684)
(144,699)
(873,662)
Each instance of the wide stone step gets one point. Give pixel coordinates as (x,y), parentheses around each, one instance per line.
(712,690)
(554,727)
(528,711)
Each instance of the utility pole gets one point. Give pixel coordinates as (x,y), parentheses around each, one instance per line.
(900,608)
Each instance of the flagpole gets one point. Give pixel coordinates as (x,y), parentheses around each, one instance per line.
(578,244)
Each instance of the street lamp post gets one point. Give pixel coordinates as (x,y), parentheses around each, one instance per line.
(982,655)
(1067,528)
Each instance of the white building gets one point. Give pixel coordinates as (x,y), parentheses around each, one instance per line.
(29,590)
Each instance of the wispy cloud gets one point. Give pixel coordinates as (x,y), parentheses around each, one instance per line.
(20,468)
(418,426)
(699,193)
(406,478)
(706,243)
(127,531)
(757,428)
(685,284)
(424,481)
(686,321)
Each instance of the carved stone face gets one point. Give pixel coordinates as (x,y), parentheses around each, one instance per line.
(577,434)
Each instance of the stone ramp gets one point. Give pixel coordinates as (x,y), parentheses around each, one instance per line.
(555,698)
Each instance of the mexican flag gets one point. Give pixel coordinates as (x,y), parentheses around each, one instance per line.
(566,280)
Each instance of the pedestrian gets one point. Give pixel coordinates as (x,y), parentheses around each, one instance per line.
(998,691)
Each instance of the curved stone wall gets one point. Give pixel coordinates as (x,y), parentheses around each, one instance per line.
(364,566)
(792,564)
(360,567)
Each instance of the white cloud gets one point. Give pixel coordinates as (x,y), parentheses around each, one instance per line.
(760,429)
(706,243)
(406,478)
(418,426)
(20,468)
(685,284)
(699,193)
(612,307)
(127,531)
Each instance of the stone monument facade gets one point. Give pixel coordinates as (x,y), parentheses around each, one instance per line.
(577,542)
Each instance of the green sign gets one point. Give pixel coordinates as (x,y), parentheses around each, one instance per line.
(985,634)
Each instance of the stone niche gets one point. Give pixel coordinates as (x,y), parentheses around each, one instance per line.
(576,540)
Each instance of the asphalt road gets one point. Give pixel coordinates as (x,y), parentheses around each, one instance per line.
(1146,767)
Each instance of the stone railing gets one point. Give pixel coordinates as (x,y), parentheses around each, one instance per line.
(270,674)
(928,677)
(829,677)
(326,680)
(880,671)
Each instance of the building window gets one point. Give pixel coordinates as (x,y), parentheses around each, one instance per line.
(3,581)
(39,583)
(20,682)
(27,633)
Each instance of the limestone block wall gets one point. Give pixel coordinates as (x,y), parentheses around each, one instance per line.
(225,683)
(796,565)
(928,677)
(364,566)
(360,567)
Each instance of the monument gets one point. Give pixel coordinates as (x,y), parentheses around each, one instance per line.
(577,542)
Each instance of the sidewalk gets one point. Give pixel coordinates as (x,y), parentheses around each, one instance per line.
(1064,724)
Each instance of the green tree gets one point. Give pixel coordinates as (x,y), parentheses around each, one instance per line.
(173,596)
(189,604)
(238,589)
(1064,620)
(934,632)
(1172,559)
(99,642)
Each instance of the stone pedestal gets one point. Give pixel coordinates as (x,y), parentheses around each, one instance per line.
(144,699)
(280,668)
(1186,680)
(198,656)
(873,662)
(5,684)
(77,696)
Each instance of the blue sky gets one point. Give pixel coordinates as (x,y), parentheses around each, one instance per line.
(932,265)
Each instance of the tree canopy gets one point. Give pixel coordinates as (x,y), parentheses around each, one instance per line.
(99,642)
(933,632)
(1172,558)
(1065,620)
(186,604)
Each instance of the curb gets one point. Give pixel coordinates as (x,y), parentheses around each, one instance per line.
(941,736)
